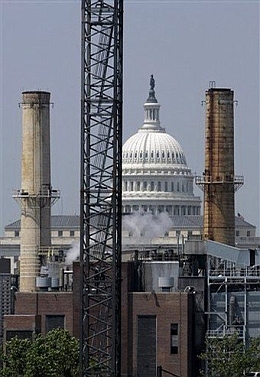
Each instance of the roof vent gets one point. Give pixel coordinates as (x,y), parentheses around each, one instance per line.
(166,283)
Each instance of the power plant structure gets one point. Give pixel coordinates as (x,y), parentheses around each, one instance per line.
(219,182)
(36,195)
(148,315)
(171,298)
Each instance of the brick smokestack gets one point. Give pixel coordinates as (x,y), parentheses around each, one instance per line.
(219,180)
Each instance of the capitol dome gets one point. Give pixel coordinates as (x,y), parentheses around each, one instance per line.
(156,177)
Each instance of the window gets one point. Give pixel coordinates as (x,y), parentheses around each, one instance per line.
(166,186)
(72,233)
(174,338)
(248,233)
(21,334)
(152,185)
(159,186)
(54,322)
(146,345)
(16,233)
(138,186)
(60,233)
(237,233)
(145,186)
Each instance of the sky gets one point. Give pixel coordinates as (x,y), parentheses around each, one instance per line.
(184,44)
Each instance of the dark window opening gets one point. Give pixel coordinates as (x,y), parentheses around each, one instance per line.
(54,322)
(174,338)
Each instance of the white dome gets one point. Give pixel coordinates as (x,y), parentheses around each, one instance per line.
(153,147)
(156,177)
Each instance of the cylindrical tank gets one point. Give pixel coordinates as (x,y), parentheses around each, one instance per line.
(35,185)
(219,209)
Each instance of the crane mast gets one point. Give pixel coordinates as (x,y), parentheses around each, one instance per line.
(101,181)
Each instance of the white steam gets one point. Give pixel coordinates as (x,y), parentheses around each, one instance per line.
(72,254)
(142,226)
(146,225)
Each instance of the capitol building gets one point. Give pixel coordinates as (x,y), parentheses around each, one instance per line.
(156,177)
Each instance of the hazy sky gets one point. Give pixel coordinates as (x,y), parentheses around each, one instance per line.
(184,44)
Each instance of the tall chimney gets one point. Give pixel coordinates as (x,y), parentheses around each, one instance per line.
(36,194)
(219,182)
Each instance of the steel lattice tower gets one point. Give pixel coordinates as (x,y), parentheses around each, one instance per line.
(101,149)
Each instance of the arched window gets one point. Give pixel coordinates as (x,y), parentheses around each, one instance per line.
(159,186)
(145,186)
(137,186)
(152,185)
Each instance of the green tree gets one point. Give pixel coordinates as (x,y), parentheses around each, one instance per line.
(228,357)
(55,355)
(14,357)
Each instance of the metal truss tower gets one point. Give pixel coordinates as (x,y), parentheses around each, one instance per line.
(101,149)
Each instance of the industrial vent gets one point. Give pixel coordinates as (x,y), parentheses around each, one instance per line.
(166,283)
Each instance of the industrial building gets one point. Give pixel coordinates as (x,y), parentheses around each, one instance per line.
(179,277)
(180,281)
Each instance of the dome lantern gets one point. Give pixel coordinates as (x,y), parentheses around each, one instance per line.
(151,110)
